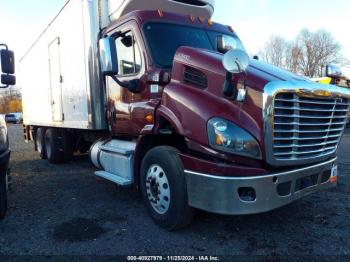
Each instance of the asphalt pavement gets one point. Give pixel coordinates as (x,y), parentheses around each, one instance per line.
(66,210)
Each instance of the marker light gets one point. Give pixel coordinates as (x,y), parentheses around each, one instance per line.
(160,13)
(149,118)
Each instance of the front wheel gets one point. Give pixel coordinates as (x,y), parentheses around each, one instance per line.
(3,197)
(163,188)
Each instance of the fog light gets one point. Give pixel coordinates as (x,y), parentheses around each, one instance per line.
(247,194)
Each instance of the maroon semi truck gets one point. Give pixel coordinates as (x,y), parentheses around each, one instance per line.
(172,104)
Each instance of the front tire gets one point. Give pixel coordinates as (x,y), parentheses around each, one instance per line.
(3,197)
(164,189)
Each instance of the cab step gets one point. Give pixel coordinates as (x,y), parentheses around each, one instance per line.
(113,178)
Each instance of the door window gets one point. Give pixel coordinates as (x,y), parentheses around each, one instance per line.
(129,55)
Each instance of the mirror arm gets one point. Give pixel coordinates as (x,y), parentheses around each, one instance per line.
(228,88)
(6,48)
(122,84)
(239,65)
(132,85)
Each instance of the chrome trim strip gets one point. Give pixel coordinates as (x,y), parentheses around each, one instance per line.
(264,176)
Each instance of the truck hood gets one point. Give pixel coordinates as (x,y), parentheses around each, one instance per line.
(210,64)
(196,92)
(265,72)
(195,95)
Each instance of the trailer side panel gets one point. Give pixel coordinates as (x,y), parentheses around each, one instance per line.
(59,74)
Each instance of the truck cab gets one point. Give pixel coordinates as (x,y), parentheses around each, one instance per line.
(247,150)
(178,109)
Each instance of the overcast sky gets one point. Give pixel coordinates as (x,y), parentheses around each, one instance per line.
(255,21)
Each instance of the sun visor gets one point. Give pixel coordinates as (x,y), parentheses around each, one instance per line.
(200,8)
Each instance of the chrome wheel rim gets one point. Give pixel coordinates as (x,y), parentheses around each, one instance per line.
(158,189)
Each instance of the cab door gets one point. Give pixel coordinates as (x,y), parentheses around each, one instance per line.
(55,81)
(127,110)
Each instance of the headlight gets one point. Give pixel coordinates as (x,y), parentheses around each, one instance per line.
(228,137)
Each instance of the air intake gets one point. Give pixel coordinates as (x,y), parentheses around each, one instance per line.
(195,77)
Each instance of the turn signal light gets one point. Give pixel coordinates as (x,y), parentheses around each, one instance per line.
(149,118)
(192,18)
(333,179)
(210,22)
(160,13)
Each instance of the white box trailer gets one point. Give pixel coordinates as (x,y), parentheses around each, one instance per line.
(60,74)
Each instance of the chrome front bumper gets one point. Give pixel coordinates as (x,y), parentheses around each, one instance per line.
(252,195)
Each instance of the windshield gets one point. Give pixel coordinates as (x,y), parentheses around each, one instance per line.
(164,39)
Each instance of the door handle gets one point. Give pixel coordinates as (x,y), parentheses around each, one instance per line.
(114,116)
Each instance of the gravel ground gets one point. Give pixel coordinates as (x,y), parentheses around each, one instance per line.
(65,210)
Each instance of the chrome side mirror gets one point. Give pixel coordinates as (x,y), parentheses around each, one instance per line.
(225,43)
(236,61)
(108,56)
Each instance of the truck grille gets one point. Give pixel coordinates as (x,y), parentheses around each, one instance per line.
(307,127)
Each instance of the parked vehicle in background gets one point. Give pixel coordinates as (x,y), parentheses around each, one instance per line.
(4,167)
(335,76)
(15,118)
(7,78)
(172,104)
